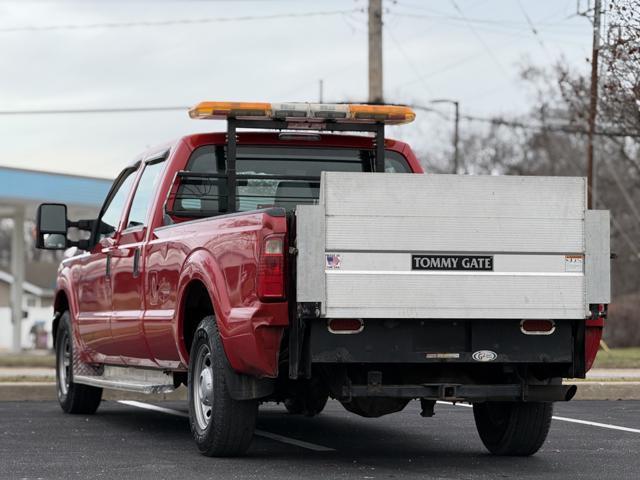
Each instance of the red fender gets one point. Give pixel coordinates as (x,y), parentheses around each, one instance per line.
(250,334)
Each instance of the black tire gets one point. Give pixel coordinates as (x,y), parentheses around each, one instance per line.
(309,400)
(221,426)
(513,428)
(73,397)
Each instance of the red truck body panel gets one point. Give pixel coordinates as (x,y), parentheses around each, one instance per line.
(137,319)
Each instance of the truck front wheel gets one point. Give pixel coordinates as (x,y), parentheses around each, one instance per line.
(513,428)
(73,397)
(221,426)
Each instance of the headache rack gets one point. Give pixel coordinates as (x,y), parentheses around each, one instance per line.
(331,126)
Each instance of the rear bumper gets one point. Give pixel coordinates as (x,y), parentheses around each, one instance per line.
(439,342)
(470,393)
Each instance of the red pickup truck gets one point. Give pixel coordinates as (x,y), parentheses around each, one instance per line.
(198,271)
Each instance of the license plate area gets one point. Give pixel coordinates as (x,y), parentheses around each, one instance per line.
(428,341)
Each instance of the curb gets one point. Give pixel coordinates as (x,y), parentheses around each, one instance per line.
(607,390)
(42,391)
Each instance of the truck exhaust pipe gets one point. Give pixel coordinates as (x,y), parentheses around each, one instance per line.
(550,393)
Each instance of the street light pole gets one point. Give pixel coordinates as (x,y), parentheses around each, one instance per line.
(456,130)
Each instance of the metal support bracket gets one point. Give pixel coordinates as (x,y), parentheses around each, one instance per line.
(232,144)
(427,407)
(298,357)
(378,144)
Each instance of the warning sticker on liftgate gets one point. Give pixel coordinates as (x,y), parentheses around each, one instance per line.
(332,261)
(574,263)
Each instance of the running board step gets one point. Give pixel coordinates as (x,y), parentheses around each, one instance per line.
(129,379)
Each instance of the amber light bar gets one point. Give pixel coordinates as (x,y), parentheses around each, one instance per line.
(304,112)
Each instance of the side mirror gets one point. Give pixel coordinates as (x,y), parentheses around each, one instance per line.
(51,226)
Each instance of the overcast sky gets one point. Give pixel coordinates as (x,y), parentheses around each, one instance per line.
(469,50)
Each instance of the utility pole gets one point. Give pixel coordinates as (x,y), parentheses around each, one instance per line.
(17,270)
(321,92)
(593,107)
(375,51)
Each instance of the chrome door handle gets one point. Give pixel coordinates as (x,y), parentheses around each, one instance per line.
(108,267)
(136,262)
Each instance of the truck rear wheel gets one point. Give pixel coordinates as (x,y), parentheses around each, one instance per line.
(73,397)
(221,426)
(513,428)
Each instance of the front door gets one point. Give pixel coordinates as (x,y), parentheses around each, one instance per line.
(94,300)
(94,285)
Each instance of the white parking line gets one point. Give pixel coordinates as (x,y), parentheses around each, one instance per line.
(566,419)
(454,404)
(155,408)
(596,424)
(293,441)
(261,433)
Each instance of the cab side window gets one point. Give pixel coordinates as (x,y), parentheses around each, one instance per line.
(144,194)
(111,216)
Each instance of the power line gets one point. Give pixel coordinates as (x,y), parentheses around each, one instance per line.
(550,128)
(539,127)
(165,23)
(418,76)
(461,61)
(480,39)
(534,30)
(519,32)
(73,111)
(569,129)
(507,24)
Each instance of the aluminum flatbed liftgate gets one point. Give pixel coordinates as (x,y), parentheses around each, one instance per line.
(383,245)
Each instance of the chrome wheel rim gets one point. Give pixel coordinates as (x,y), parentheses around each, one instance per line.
(202,387)
(63,364)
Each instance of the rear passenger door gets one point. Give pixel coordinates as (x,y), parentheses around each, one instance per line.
(127,331)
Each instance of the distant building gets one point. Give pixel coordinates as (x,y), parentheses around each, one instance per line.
(37,303)
(22,190)
(38,286)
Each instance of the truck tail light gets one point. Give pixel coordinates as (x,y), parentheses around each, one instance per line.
(537,327)
(345,325)
(271,270)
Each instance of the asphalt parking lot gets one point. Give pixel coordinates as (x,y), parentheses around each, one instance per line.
(131,441)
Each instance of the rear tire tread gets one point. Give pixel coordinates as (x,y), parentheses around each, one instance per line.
(232,425)
(526,429)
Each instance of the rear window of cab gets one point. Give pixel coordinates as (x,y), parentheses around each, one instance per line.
(292,175)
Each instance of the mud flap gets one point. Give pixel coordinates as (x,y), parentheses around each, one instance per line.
(245,387)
